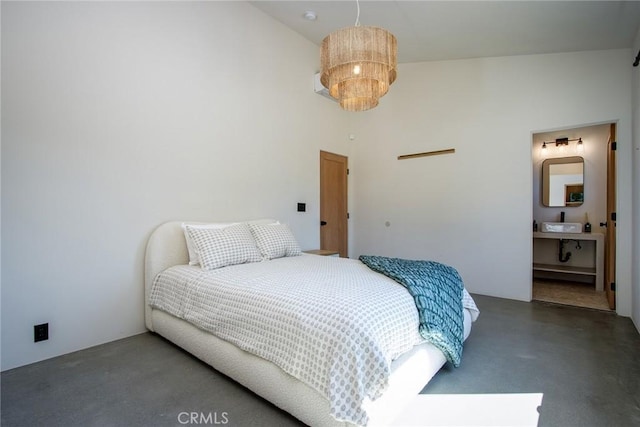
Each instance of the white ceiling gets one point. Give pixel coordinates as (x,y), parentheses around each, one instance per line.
(443,30)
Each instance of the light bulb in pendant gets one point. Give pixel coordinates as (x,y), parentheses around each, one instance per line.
(356,69)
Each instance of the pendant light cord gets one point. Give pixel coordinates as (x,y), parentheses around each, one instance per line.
(357,24)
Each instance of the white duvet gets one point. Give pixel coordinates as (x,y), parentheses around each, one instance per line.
(332,323)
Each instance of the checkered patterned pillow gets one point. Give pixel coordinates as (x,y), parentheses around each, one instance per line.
(275,240)
(194,255)
(227,246)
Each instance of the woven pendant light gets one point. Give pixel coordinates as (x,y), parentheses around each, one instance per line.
(358,64)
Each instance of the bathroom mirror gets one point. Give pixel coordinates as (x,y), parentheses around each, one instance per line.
(563,182)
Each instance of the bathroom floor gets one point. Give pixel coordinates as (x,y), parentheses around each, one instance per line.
(569,293)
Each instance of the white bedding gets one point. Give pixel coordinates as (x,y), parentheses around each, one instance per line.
(306,314)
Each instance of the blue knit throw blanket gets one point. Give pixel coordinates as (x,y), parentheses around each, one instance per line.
(437,291)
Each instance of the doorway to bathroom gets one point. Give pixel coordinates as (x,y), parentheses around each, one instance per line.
(573,234)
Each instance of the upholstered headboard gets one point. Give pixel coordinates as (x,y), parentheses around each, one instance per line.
(167,247)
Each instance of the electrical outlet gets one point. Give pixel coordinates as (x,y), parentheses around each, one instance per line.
(41,332)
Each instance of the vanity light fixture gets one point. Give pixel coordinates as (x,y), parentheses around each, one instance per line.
(358,64)
(562,142)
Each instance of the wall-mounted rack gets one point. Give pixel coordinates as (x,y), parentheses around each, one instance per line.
(426,154)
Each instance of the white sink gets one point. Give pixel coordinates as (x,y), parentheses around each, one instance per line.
(561,227)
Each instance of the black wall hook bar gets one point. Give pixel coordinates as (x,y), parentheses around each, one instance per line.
(637,61)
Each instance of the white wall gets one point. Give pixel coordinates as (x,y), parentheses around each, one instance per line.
(473,209)
(119,116)
(636,184)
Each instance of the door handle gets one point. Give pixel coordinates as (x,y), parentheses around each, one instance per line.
(323,223)
(603,224)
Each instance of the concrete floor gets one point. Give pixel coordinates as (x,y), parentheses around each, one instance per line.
(586,362)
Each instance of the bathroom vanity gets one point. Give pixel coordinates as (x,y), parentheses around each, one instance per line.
(596,271)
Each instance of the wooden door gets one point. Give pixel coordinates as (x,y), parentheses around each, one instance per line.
(610,238)
(333,203)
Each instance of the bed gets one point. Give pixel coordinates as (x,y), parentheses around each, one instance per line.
(187,304)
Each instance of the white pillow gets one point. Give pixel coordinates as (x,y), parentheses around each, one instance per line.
(275,240)
(194,256)
(221,247)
